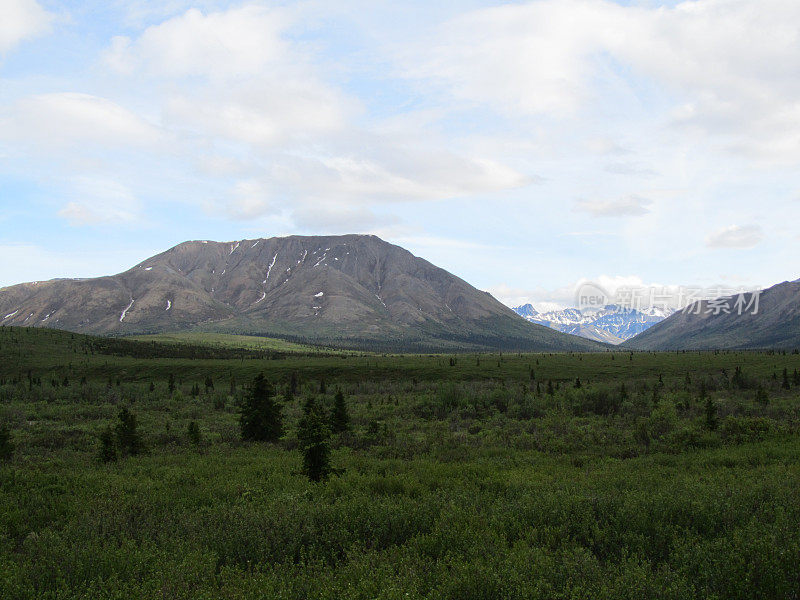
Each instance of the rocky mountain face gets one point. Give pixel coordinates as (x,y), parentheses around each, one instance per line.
(767,319)
(612,324)
(353,290)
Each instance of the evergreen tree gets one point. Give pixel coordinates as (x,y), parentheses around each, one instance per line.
(6,445)
(340,417)
(261,419)
(313,434)
(128,438)
(796,378)
(322,388)
(209,383)
(193,433)
(171,383)
(785,385)
(550,390)
(711,414)
(577,383)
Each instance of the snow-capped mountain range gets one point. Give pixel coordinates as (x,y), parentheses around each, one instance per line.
(612,324)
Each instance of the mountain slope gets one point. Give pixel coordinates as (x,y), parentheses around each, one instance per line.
(776,324)
(352,290)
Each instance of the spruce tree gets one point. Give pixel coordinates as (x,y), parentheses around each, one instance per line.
(6,445)
(261,419)
(313,434)
(711,414)
(340,417)
(128,438)
(785,385)
(193,433)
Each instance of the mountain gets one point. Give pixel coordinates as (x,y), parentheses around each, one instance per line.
(611,324)
(352,290)
(706,325)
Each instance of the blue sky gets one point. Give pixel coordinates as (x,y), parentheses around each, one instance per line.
(523,146)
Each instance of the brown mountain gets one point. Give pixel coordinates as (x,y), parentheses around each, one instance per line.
(351,290)
(775,324)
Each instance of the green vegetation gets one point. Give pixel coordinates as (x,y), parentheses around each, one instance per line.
(482,476)
(224,340)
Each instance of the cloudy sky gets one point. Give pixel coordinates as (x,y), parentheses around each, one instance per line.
(524,146)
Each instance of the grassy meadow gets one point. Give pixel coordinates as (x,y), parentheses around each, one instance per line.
(470,476)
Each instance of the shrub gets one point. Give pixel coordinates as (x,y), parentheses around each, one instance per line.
(745,429)
(598,401)
(108,445)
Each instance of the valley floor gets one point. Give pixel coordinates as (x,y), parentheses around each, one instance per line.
(606,475)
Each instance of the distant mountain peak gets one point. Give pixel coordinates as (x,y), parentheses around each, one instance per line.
(610,324)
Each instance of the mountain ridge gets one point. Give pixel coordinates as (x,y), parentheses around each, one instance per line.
(705,326)
(351,288)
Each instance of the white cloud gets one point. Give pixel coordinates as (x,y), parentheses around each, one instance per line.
(736,236)
(525,58)
(334,218)
(628,206)
(630,290)
(72,119)
(399,173)
(243,41)
(100,202)
(730,65)
(248,199)
(265,113)
(21,20)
